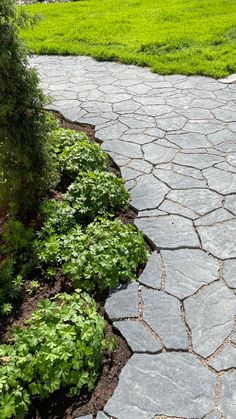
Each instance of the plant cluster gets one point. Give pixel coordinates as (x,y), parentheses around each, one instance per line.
(74,153)
(16,250)
(100,256)
(60,347)
(96,193)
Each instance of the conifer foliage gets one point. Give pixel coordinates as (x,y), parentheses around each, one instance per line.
(24,125)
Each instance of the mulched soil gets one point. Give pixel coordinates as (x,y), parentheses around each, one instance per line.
(60,405)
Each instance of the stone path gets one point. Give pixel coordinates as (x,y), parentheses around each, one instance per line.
(174,138)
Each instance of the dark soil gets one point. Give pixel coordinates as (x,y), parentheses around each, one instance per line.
(60,405)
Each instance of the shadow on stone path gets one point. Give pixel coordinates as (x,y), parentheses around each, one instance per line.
(174,138)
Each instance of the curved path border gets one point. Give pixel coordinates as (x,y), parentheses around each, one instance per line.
(174,138)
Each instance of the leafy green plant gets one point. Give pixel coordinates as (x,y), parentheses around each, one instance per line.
(58,216)
(10,283)
(26,170)
(76,152)
(17,238)
(97,193)
(33,286)
(61,347)
(101,256)
(106,254)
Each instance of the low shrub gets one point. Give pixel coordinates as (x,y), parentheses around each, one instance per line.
(58,217)
(75,152)
(102,256)
(97,193)
(61,347)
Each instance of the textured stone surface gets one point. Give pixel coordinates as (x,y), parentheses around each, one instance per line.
(219,239)
(230,272)
(101,415)
(123,302)
(162,312)
(230,203)
(228,395)
(199,200)
(151,276)
(173,137)
(187,270)
(148,193)
(210,316)
(138,337)
(225,360)
(169,232)
(171,384)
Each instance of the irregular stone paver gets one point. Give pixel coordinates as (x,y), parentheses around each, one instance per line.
(180,131)
(162,312)
(228,395)
(187,270)
(171,384)
(148,193)
(225,360)
(151,276)
(138,337)
(199,200)
(230,272)
(210,316)
(213,217)
(123,303)
(230,203)
(169,232)
(219,239)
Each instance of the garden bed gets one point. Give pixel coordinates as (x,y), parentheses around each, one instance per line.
(60,404)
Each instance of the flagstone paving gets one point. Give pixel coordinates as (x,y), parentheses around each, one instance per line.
(174,139)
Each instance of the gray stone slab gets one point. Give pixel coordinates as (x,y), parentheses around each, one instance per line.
(170,384)
(230,203)
(225,360)
(151,275)
(162,312)
(171,123)
(175,208)
(138,337)
(214,217)
(187,270)
(124,149)
(198,161)
(228,391)
(169,232)
(189,140)
(157,154)
(123,302)
(101,415)
(230,272)
(219,239)
(210,316)
(148,193)
(178,181)
(85,417)
(221,181)
(199,200)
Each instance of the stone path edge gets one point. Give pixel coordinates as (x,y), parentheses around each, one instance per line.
(160,315)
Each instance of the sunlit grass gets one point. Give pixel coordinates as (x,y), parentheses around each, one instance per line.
(174,36)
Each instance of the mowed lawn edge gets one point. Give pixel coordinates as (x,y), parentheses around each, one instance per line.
(179,36)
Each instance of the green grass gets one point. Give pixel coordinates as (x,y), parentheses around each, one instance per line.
(169,36)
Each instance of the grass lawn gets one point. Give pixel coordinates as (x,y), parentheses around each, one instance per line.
(169,36)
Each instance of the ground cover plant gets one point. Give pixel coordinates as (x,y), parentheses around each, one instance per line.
(185,36)
(58,208)
(61,346)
